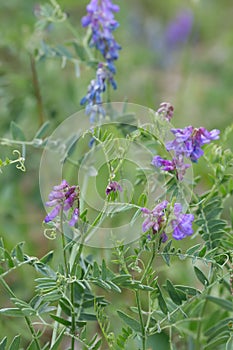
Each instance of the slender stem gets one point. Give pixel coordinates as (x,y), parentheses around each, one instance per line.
(55,327)
(5,285)
(36,86)
(170,338)
(141,320)
(8,142)
(77,257)
(63,242)
(72,30)
(72,315)
(58,313)
(199,327)
(27,319)
(150,262)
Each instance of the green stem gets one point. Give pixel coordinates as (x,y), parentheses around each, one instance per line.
(58,313)
(150,262)
(72,29)
(63,243)
(27,319)
(199,327)
(141,320)
(36,86)
(55,327)
(72,315)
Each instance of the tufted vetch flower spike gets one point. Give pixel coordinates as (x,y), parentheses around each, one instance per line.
(63,197)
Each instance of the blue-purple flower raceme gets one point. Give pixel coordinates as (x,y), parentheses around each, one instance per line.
(162,216)
(63,197)
(100,18)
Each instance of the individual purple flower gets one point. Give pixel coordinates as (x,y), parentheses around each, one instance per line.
(176,164)
(188,141)
(100,18)
(63,197)
(155,219)
(179,29)
(182,224)
(113,186)
(166,110)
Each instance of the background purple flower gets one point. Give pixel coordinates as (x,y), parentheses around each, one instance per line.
(179,29)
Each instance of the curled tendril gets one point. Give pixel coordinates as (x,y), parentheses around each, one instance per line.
(50,233)
(19,160)
(59,15)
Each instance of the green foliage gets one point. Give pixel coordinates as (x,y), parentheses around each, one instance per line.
(185,290)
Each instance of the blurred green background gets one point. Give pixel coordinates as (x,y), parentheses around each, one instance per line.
(192,70)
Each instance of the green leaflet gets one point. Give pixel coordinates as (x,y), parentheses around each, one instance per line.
(15,343)
(161,301)
(14,312)
(176,295)
(131,322)
(226,304)
(200,275)
(17,132)
(58,340)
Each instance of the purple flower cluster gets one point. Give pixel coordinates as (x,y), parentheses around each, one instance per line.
(100,18)
(63,197)
(158,219)
(188,144)
(113,186)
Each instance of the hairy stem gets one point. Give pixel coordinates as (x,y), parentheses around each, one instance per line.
(149,263)
(36,86)
(199,328)
(141,320)
(63,243)
(72,315)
